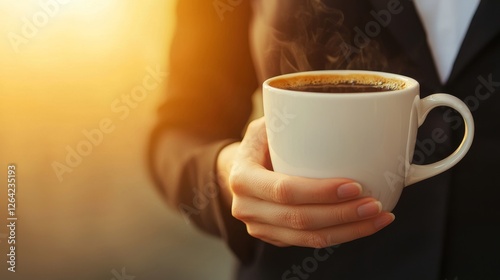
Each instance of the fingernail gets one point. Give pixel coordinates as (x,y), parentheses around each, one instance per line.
(349,190)
(369,209)
(384,220)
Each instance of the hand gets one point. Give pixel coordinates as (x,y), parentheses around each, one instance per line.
(294,211)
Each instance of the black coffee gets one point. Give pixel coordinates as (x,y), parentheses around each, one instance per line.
(340,88)
(329,83)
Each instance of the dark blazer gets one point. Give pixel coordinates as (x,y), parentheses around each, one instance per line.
(447,227)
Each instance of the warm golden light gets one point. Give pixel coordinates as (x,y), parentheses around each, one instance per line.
(80,82)
(64,60)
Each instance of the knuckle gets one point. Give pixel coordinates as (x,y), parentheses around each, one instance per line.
(298,220)
(255,232)
(342,216)
(239,211)
(236,211)
(253,125)
(256,125)
(235,180)
(318,240)
(281,191)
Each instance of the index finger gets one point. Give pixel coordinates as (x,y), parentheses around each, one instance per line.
(254,180)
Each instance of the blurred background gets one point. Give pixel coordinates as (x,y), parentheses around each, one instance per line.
(80,81)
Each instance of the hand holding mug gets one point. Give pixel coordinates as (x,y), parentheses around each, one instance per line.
(287,210)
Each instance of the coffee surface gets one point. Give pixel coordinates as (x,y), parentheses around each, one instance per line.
(340,88)
(328,83)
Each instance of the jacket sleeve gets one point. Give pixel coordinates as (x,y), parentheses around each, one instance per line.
(208,102)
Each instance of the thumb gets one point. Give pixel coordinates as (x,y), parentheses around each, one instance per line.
(254,146)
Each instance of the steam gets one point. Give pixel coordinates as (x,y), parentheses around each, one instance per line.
(317,38)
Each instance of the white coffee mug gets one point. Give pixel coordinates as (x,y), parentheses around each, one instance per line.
(368,137)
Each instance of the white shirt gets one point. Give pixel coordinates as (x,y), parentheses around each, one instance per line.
(446,22)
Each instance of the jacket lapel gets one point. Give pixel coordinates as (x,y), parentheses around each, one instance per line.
(484,26)
(407,29)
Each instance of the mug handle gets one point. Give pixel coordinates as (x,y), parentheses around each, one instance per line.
(417,173)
